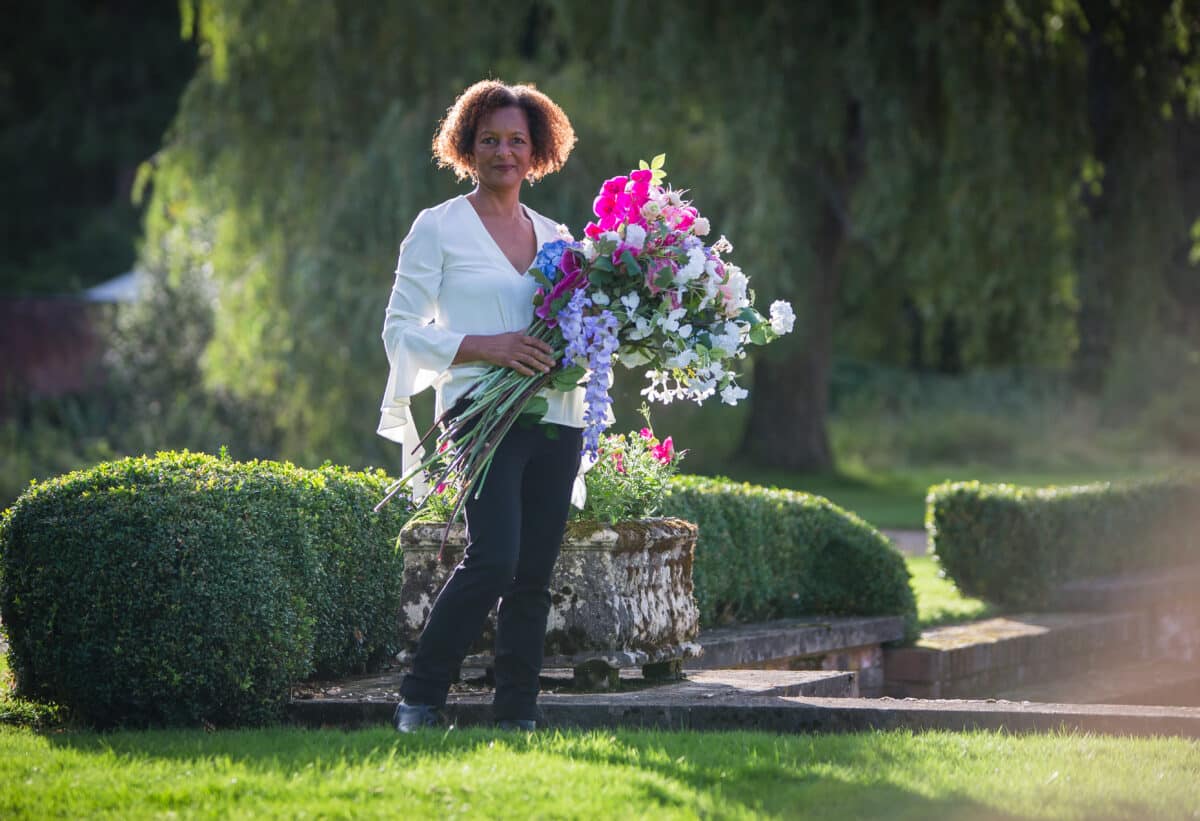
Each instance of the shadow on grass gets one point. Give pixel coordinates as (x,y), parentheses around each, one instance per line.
(844,776)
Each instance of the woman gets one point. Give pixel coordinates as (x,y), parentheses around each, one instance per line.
(461,303)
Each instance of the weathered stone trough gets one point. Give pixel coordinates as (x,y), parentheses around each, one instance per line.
(621,596)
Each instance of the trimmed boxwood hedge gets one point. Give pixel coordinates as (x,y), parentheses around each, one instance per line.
(1015,546)
(765,553)
(187,588)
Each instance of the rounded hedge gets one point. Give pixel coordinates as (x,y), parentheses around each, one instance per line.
(766,553)
(1015,546)
(187,588)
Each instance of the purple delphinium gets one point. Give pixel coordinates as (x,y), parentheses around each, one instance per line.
(601,332)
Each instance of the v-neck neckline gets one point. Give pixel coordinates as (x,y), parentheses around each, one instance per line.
(492,240)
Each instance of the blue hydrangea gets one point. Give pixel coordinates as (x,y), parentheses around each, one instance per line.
(548,257)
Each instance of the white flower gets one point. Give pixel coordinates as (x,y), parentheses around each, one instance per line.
(685,331)
(610,236)
(635,236)
(682,359)
(731,394)
(701,227)
(600,298)
(642,328)
(736,284)
(701,389)
(722,246)
(782,317)
(693,269)
(670,322)
(728,344)
(651,211)
(590,251)
(564,232)
(675,198)
(631,301)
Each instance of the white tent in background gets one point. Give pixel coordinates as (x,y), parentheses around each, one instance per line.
(124,288)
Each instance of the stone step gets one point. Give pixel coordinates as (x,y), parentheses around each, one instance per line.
(985,658)
(853,643)
(1155,681)
(785,714)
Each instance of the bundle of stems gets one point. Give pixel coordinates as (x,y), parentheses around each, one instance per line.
(494,404)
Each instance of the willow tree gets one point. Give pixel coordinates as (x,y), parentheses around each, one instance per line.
(862,155)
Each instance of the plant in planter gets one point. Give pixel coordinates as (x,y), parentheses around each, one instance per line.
(630,477)
(622,590)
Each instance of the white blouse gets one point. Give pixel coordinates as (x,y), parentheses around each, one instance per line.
(452,279)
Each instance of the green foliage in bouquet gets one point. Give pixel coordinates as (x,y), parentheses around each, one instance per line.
(186,588)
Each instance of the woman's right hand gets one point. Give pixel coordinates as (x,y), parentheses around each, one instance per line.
(524,354)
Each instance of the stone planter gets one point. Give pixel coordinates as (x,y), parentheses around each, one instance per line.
(621,595)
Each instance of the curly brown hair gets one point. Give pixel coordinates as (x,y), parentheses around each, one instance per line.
(550,131)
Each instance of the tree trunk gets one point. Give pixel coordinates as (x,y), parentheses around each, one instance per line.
(1093,256)
(789,403)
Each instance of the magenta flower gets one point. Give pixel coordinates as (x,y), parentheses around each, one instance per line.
(570,282)
(664,452)
(615,186)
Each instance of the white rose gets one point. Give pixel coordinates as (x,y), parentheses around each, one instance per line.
(782,317)
(701,227)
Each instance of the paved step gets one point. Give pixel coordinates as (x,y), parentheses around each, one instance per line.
(363,699)
(785,714)
(983,659)
(843,643)
(1156,681)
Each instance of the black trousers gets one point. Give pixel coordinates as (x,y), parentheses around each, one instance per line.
(514,531)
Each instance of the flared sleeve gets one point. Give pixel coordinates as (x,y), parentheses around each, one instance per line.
(419,348)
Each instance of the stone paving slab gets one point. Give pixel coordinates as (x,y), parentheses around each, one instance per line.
(556,684)
(786,714)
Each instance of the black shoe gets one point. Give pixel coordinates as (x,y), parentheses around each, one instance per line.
(412,717)
(522,724)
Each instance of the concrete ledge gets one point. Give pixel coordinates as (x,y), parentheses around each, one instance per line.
(785,714)
(727,647)
(984,658)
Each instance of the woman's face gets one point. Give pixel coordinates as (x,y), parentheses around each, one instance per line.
(503,148)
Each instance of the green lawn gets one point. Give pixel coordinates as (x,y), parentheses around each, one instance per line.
(938,600)
(292,773)
(896,499)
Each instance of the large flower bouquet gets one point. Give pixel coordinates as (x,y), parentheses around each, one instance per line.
(642,288)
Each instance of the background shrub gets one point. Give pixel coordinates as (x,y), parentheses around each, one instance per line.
(186,588)
(1015,546)
(766,553)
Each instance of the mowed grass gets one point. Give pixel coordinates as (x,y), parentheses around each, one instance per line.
(939,602)
(294,773)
